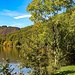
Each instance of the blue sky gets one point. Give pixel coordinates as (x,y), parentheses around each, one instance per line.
(13,13)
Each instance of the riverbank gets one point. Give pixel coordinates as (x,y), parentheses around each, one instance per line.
(66,70)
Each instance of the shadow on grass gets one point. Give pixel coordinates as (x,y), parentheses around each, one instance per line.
(64,73)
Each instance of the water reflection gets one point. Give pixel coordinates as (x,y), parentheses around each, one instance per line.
(9,52)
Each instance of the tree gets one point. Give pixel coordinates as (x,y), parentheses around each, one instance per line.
(42,10)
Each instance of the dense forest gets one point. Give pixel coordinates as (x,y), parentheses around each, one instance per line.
(49,42)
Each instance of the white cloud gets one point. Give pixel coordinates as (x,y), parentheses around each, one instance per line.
(14,14)
(22,16)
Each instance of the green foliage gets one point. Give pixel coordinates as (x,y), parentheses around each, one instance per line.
(5,68)
(17,43)
(42,10)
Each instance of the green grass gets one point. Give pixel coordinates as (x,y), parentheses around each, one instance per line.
(67,70)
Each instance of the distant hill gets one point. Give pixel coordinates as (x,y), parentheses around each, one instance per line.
(7,30)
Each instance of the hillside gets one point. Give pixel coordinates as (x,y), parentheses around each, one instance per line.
(7,30)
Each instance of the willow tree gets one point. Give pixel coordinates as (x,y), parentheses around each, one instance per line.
(42,10)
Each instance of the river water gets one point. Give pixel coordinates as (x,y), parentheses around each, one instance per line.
(13,55)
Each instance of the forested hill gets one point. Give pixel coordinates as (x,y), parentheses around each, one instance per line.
(7,30)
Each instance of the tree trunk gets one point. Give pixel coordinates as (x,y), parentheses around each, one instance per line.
(55,45)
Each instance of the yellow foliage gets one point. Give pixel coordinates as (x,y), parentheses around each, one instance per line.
(7,43)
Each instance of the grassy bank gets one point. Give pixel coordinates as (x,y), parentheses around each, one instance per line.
(67,70)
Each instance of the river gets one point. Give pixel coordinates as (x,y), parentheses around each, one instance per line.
(13,55)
